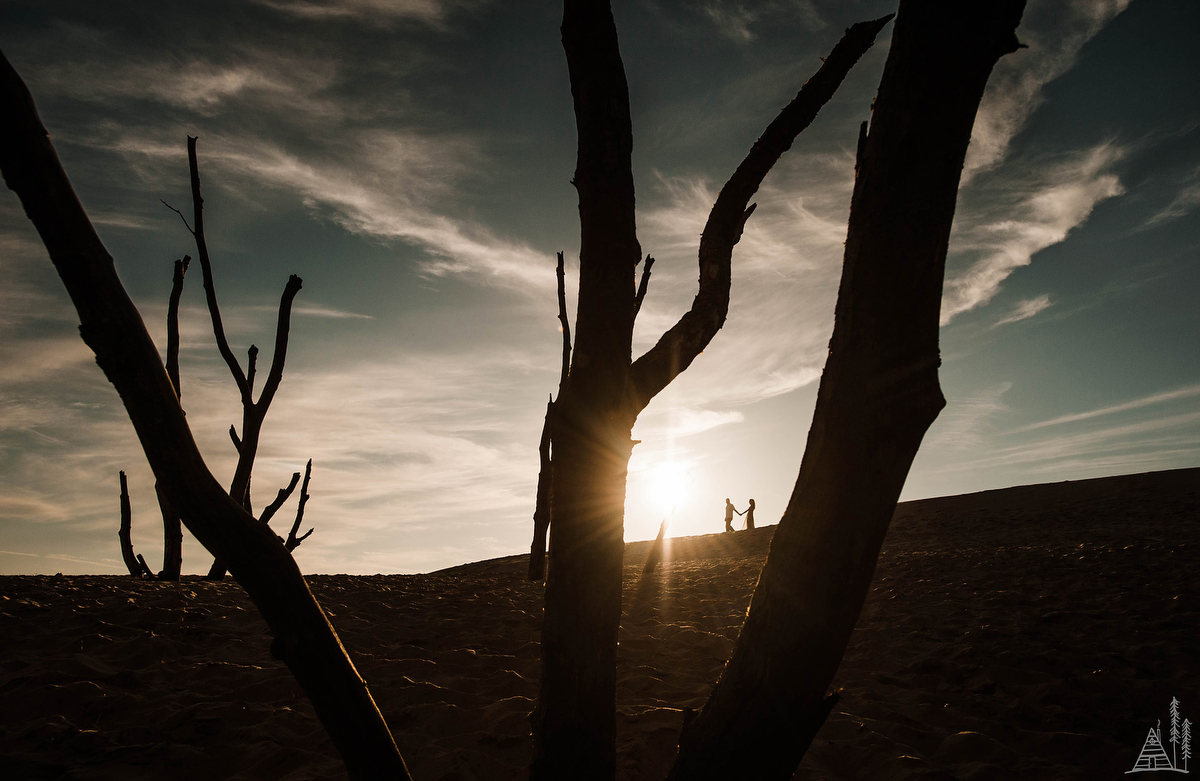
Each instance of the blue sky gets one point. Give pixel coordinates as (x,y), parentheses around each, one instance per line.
(411,161)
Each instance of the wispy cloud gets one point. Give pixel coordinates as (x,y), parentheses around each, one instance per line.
(255,80)
(1038,207)
(1186,199)
(385,185)
(316,310)
(966,420)
(1054,32)
(1162,434)
(428,11)
(676,423)
(1023,310)
(1146,401)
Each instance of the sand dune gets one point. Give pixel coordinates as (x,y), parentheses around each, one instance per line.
(1033,633)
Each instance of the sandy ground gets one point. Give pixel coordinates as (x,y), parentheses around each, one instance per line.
(1029,633)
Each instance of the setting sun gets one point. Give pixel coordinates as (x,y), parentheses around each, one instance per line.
(668,485)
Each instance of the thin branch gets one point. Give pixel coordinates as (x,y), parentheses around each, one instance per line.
(293,286)
(645,283)
(566,327)
(181,267)
(185,222)
(680,345)
(293,541)
(237,443)
(282,497)
(210,292)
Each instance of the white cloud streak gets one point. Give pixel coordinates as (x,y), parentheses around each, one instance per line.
(1186,199)
(431,12)
(1146,401)
(1044,205)
(1023,310)
(966,420)
(1054,31)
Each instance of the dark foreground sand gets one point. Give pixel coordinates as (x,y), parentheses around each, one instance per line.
(1029,633)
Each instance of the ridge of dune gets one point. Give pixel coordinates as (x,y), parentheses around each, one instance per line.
(1031,632)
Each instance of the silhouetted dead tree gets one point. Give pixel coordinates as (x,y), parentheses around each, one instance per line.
(253,412)
(135,564)
(574,721)
(544,506)
(655,554)
(110,325)
(172,529)
(878,395)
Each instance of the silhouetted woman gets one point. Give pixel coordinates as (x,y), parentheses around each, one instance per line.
(750,515)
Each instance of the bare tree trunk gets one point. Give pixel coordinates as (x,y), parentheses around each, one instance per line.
(125,533)
(172,528)
(574,721)
(655,554)
(111,326)
(172,537)
(543,510)
(879,393)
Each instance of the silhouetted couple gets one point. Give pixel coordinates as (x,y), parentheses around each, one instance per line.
(730,510)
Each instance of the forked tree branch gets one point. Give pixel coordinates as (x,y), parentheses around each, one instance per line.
(109,323)
(293,541)
(253,413)
(680,345)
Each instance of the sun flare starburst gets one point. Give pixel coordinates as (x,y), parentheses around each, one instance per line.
(668,485)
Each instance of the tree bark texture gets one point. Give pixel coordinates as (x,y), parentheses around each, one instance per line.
(574,721)
(878,395)
(111,326)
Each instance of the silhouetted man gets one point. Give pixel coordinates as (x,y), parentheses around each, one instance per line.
(729,511)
